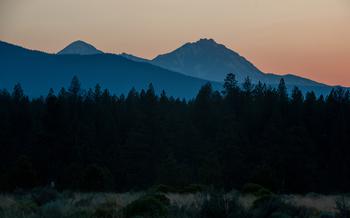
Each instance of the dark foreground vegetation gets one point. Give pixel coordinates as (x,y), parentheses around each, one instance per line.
(207,203)
(94,141)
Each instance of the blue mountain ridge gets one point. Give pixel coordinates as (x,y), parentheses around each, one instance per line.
(79,47)
(207,59)
(39,71)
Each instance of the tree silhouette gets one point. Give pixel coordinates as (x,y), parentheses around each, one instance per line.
(96,141)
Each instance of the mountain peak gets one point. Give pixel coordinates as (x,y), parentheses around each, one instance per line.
(80,47)
(209,60)
(206,40)
(207,45)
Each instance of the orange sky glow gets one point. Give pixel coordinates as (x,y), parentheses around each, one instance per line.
(309,38)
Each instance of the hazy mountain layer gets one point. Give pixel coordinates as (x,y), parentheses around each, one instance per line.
(209,60)
(79,48)
(38,72)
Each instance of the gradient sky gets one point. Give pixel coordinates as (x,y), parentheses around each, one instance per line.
(310,38)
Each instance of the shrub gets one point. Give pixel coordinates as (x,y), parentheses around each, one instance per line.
(251,188)
(163,189)
(26,206)
(96,178)
(273,206)
(148,206)
(106,210)
(280,215)
(343,207)
(255,189)
(218,205)
(266,206)
(83,202)
(80,213)
(176,211)
(42,196)
(161,198)
(53,209)
(326,215)
(193,188)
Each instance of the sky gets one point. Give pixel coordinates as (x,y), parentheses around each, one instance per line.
(309,38)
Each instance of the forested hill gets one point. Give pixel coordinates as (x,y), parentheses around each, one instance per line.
(94,141)
(38,72)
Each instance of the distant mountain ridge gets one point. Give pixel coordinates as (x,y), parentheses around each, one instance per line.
(37,72)
(134,58)
(181,73)
(79,47)
(206,59)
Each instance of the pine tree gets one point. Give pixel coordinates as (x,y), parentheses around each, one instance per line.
(282,90)
(230,84)
(74,88)
(17,93)
(248,86)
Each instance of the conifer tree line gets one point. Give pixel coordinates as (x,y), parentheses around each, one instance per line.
(91,140)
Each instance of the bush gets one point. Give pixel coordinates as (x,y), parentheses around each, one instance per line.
(96,178)
(193,188)
(343,207)
(273,206)
(148,206)
(266,206)
(176,211)
(161,198)
(326,215)
(80,213)
(280,215)
(251,188)
(26,206)
(164,189)
(255,189)
(218,205)
(106,210)
(42,196)
(54,209)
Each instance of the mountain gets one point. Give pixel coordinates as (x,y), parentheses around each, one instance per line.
(79,48)
(134,58)
(37,72)
(209,60)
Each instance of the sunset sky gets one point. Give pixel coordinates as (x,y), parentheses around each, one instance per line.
(310,38)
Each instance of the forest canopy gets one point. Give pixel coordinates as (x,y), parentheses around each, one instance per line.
(91,140)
